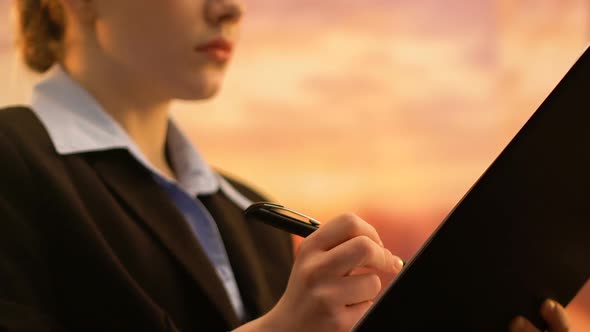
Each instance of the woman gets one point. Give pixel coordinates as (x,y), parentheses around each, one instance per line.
(111,220)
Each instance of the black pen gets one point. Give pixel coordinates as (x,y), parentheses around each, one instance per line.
(284,218)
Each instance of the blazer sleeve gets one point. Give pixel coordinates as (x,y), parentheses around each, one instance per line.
(25,296)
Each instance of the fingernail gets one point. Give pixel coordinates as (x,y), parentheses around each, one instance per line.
(549,305)
(398,264)
(517,324)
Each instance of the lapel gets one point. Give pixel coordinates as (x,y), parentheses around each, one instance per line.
(134,187)
(242,252)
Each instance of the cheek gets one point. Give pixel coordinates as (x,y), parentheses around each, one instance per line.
(148,32)
(133,43)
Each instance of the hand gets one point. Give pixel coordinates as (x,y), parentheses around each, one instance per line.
(553,313)
(334,279)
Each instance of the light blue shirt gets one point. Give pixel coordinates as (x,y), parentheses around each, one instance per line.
(76,123)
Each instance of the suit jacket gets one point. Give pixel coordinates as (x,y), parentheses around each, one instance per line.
(90,242)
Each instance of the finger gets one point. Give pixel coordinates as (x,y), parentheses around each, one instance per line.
(520,324)
(356,289)
(555,316)
(359,252)
(339,230)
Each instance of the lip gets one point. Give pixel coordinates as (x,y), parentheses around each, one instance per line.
(219,49)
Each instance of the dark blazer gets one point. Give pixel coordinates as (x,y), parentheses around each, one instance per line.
(89,242)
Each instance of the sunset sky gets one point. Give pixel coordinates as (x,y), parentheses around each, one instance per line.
(387,108)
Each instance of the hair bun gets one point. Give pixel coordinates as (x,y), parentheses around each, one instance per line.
(41,30)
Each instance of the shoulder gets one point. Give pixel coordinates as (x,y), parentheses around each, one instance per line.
(12,116)
(25,148)
(15,173)
(15,127)
(20,126)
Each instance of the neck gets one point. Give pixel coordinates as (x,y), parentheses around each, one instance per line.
(133,104)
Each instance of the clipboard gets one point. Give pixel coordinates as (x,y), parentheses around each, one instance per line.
(520,234)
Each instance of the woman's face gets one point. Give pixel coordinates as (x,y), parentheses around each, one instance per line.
(179,47)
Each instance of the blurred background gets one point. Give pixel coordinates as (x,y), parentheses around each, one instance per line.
(387,108)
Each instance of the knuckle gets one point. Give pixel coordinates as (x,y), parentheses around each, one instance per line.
(372,229)
(363,245)
(356,226)
(323,300)
(308,273)
(302,248)
(352,223)
(349,216)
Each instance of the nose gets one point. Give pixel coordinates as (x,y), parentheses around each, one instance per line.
(222,12)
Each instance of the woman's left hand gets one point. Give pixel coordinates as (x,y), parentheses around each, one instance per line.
(553,313)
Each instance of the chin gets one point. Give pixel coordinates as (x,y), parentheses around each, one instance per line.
(199,90)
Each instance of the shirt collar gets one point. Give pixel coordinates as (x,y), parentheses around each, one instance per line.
(76,123)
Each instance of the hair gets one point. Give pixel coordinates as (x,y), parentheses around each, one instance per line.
(41,26)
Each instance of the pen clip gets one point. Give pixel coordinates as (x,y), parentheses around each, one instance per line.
(281,208)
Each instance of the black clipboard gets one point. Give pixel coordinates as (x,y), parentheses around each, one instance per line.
(520,235)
